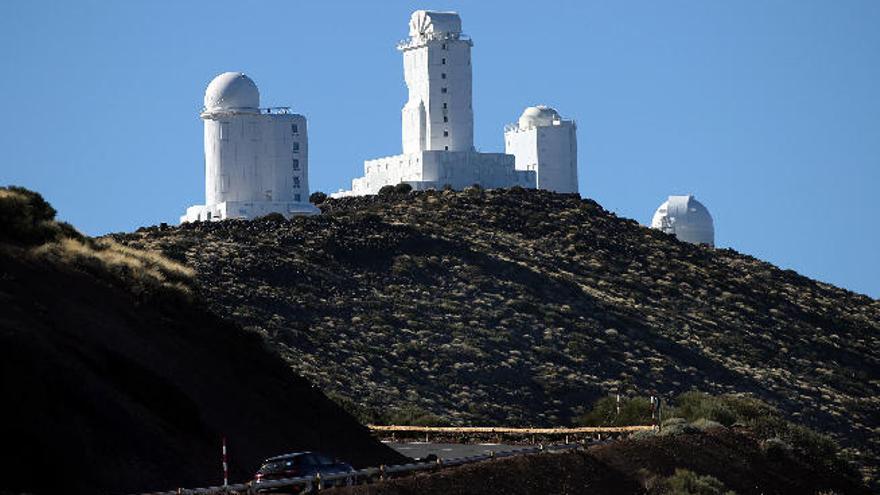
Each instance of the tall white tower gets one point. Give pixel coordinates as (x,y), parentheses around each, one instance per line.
(437,71)
(686,218)
(256,160)
(542,141)
(438,120)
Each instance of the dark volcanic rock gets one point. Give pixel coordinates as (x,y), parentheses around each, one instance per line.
(104,392)
(628,468)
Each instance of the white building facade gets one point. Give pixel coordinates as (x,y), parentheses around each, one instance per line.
(438,119)
(687,219)
(256,159)
(544,143)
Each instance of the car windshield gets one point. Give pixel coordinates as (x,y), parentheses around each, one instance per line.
(280,465)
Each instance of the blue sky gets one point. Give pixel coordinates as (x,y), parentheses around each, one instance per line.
(768,111)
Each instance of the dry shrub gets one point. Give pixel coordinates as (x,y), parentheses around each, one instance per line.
(142,272)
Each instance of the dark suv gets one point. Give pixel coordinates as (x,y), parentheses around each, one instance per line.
(300,464)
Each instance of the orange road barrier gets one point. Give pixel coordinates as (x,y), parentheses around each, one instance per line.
(510,431)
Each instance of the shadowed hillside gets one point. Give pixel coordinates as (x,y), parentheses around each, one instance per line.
(522,307)
(116,380)
(720,461)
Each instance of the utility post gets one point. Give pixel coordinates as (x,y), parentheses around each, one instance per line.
(225,464)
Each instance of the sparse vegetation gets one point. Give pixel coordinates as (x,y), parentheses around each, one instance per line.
(685,482)
(144,273)
(523,307)
(402,188)
(386,190)
(317,197)
(27,221)
(633,411)
(273,217)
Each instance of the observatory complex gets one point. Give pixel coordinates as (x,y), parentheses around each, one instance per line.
(256,159)
(687,219)
(438,125)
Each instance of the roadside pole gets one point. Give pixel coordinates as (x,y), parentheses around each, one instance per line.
(225,465)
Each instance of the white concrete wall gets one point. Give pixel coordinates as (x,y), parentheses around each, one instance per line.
(551,151)
(438,114)
(436,169)
(250,157)
(246,210)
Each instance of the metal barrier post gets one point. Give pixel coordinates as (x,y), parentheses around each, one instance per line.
(319,485)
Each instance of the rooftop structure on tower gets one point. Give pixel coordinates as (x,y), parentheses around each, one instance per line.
(256,159)
(686,218)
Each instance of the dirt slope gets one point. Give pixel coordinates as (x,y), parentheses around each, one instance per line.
(523,307)
(627,468)
(110,389)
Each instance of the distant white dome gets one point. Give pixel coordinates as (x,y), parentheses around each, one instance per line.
(538,116)
(687,219)
(232,90)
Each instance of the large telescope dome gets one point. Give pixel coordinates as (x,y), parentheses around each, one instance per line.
(686,218)
(537,116)
(230,91)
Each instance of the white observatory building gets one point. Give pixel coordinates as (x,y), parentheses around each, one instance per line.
(256,159)
(687,219)
(544,143)
(438,118)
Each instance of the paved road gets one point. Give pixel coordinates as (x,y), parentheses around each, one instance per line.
(450,450)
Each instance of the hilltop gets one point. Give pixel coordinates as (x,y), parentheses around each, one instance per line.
(117,379)
(522,307)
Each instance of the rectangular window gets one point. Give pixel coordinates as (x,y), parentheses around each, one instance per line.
(442,75)
(296,163)
(445,133)
(443,61)
(296,182)
(445,118)
(296,146)
(443,89)
(297,197)
(444,105)
(447,149)
(294,129)
(224,131)
(444,46)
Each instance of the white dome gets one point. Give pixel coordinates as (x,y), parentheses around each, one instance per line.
(687,219)
(232,90)
(538,116)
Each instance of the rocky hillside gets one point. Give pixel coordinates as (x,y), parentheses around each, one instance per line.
(115,379)
(523,307)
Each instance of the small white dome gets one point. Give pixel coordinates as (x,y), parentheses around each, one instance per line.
(232,90)
(687,219)
(538,116)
